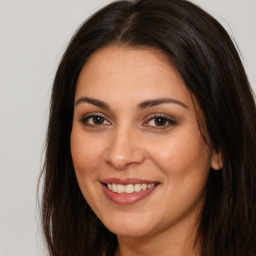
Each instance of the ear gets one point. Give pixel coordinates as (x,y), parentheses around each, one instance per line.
(217,160)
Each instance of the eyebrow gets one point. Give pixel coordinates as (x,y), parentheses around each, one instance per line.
(143,105)
(155,102)
(92,101)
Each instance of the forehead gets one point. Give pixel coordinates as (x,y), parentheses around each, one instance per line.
(123,73)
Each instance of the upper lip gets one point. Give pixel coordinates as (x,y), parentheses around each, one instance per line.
(127,181)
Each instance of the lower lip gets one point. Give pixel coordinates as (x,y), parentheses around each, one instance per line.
(124,198)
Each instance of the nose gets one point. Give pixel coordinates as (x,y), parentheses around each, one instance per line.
(124,149)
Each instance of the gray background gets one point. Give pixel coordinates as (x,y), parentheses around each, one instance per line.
(33,36)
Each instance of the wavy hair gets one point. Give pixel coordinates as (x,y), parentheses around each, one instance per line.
(210,66)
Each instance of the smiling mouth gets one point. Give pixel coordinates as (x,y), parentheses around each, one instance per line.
(130,188)
(127,191)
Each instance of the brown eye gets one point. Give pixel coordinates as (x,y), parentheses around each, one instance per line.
(95,120)
(160,121)
(98,120)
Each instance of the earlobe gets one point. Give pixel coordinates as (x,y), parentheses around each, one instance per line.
(216,161)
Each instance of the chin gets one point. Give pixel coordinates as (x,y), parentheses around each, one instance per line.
(129,227)
(129,232)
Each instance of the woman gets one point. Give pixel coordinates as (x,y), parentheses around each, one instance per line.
(151,137)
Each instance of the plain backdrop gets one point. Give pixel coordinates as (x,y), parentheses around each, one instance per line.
(33,37)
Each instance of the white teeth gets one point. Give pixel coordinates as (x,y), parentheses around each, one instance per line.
(128,189)
(137,187)
(113,187)
(119,188)
(150,186)
(144,186)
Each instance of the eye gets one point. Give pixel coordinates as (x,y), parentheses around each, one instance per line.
(95,120)
(160,122)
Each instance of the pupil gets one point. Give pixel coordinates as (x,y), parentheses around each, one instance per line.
(98,120)
(160,121)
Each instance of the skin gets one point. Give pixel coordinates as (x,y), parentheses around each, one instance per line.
(128,142)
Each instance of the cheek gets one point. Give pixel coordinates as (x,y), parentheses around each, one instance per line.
(185,163)
(85,154)
(186,154)
(86,159)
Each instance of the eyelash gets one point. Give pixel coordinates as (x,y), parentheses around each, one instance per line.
(167,121)
(85,120)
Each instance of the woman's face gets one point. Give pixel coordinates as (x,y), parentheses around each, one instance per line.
(139,157)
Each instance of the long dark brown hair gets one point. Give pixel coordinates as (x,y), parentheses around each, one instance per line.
(210,66)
